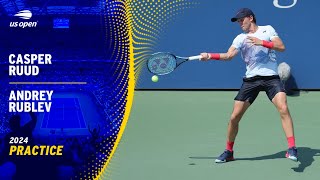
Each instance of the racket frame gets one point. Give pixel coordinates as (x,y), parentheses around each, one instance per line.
(185,59)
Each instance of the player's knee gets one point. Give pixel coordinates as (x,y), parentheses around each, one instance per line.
(235,118)
(283,109)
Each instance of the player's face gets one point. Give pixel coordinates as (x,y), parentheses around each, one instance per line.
(244,23)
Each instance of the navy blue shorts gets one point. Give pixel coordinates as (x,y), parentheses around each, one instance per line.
(252,86)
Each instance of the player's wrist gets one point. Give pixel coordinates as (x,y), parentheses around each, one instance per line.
(267,44)
(215,56)
(208,56)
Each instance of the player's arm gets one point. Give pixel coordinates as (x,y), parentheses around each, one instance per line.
(278,44)
(275,43)
(232,52)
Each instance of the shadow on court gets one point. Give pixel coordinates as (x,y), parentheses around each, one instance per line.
(306,158)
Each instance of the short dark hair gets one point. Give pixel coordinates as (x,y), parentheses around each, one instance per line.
(254,19)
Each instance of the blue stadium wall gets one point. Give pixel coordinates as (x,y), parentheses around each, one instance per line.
(207,28)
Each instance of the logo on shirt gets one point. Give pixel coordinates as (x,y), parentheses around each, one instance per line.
(26,15)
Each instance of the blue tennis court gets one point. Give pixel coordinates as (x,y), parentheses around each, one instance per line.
(64,113)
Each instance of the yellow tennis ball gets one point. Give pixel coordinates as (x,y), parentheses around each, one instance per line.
(155,78)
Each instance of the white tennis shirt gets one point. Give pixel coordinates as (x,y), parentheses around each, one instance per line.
(259,60)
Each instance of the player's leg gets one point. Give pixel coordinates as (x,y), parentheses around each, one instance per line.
(280,101)
(246,96)
(276,93)
(239,109)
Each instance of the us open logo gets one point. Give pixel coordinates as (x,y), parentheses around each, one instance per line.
(276,4)
(26,15)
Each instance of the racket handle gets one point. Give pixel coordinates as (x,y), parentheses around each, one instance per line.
(194,57)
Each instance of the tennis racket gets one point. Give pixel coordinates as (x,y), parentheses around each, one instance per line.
(162,63)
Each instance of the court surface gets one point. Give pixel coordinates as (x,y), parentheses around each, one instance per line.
(71,113)
(64,113)
(176,135)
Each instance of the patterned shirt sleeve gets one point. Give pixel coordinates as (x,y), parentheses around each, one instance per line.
(272,32)
(237,42)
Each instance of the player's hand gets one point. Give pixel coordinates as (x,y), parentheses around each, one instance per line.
(254,41)
(204,56)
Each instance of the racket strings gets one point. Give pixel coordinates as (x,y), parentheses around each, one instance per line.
(162,64)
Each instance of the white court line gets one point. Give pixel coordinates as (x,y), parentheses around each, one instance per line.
(85,123)
(75,103)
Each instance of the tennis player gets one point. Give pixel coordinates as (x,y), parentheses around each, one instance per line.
(257,45)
